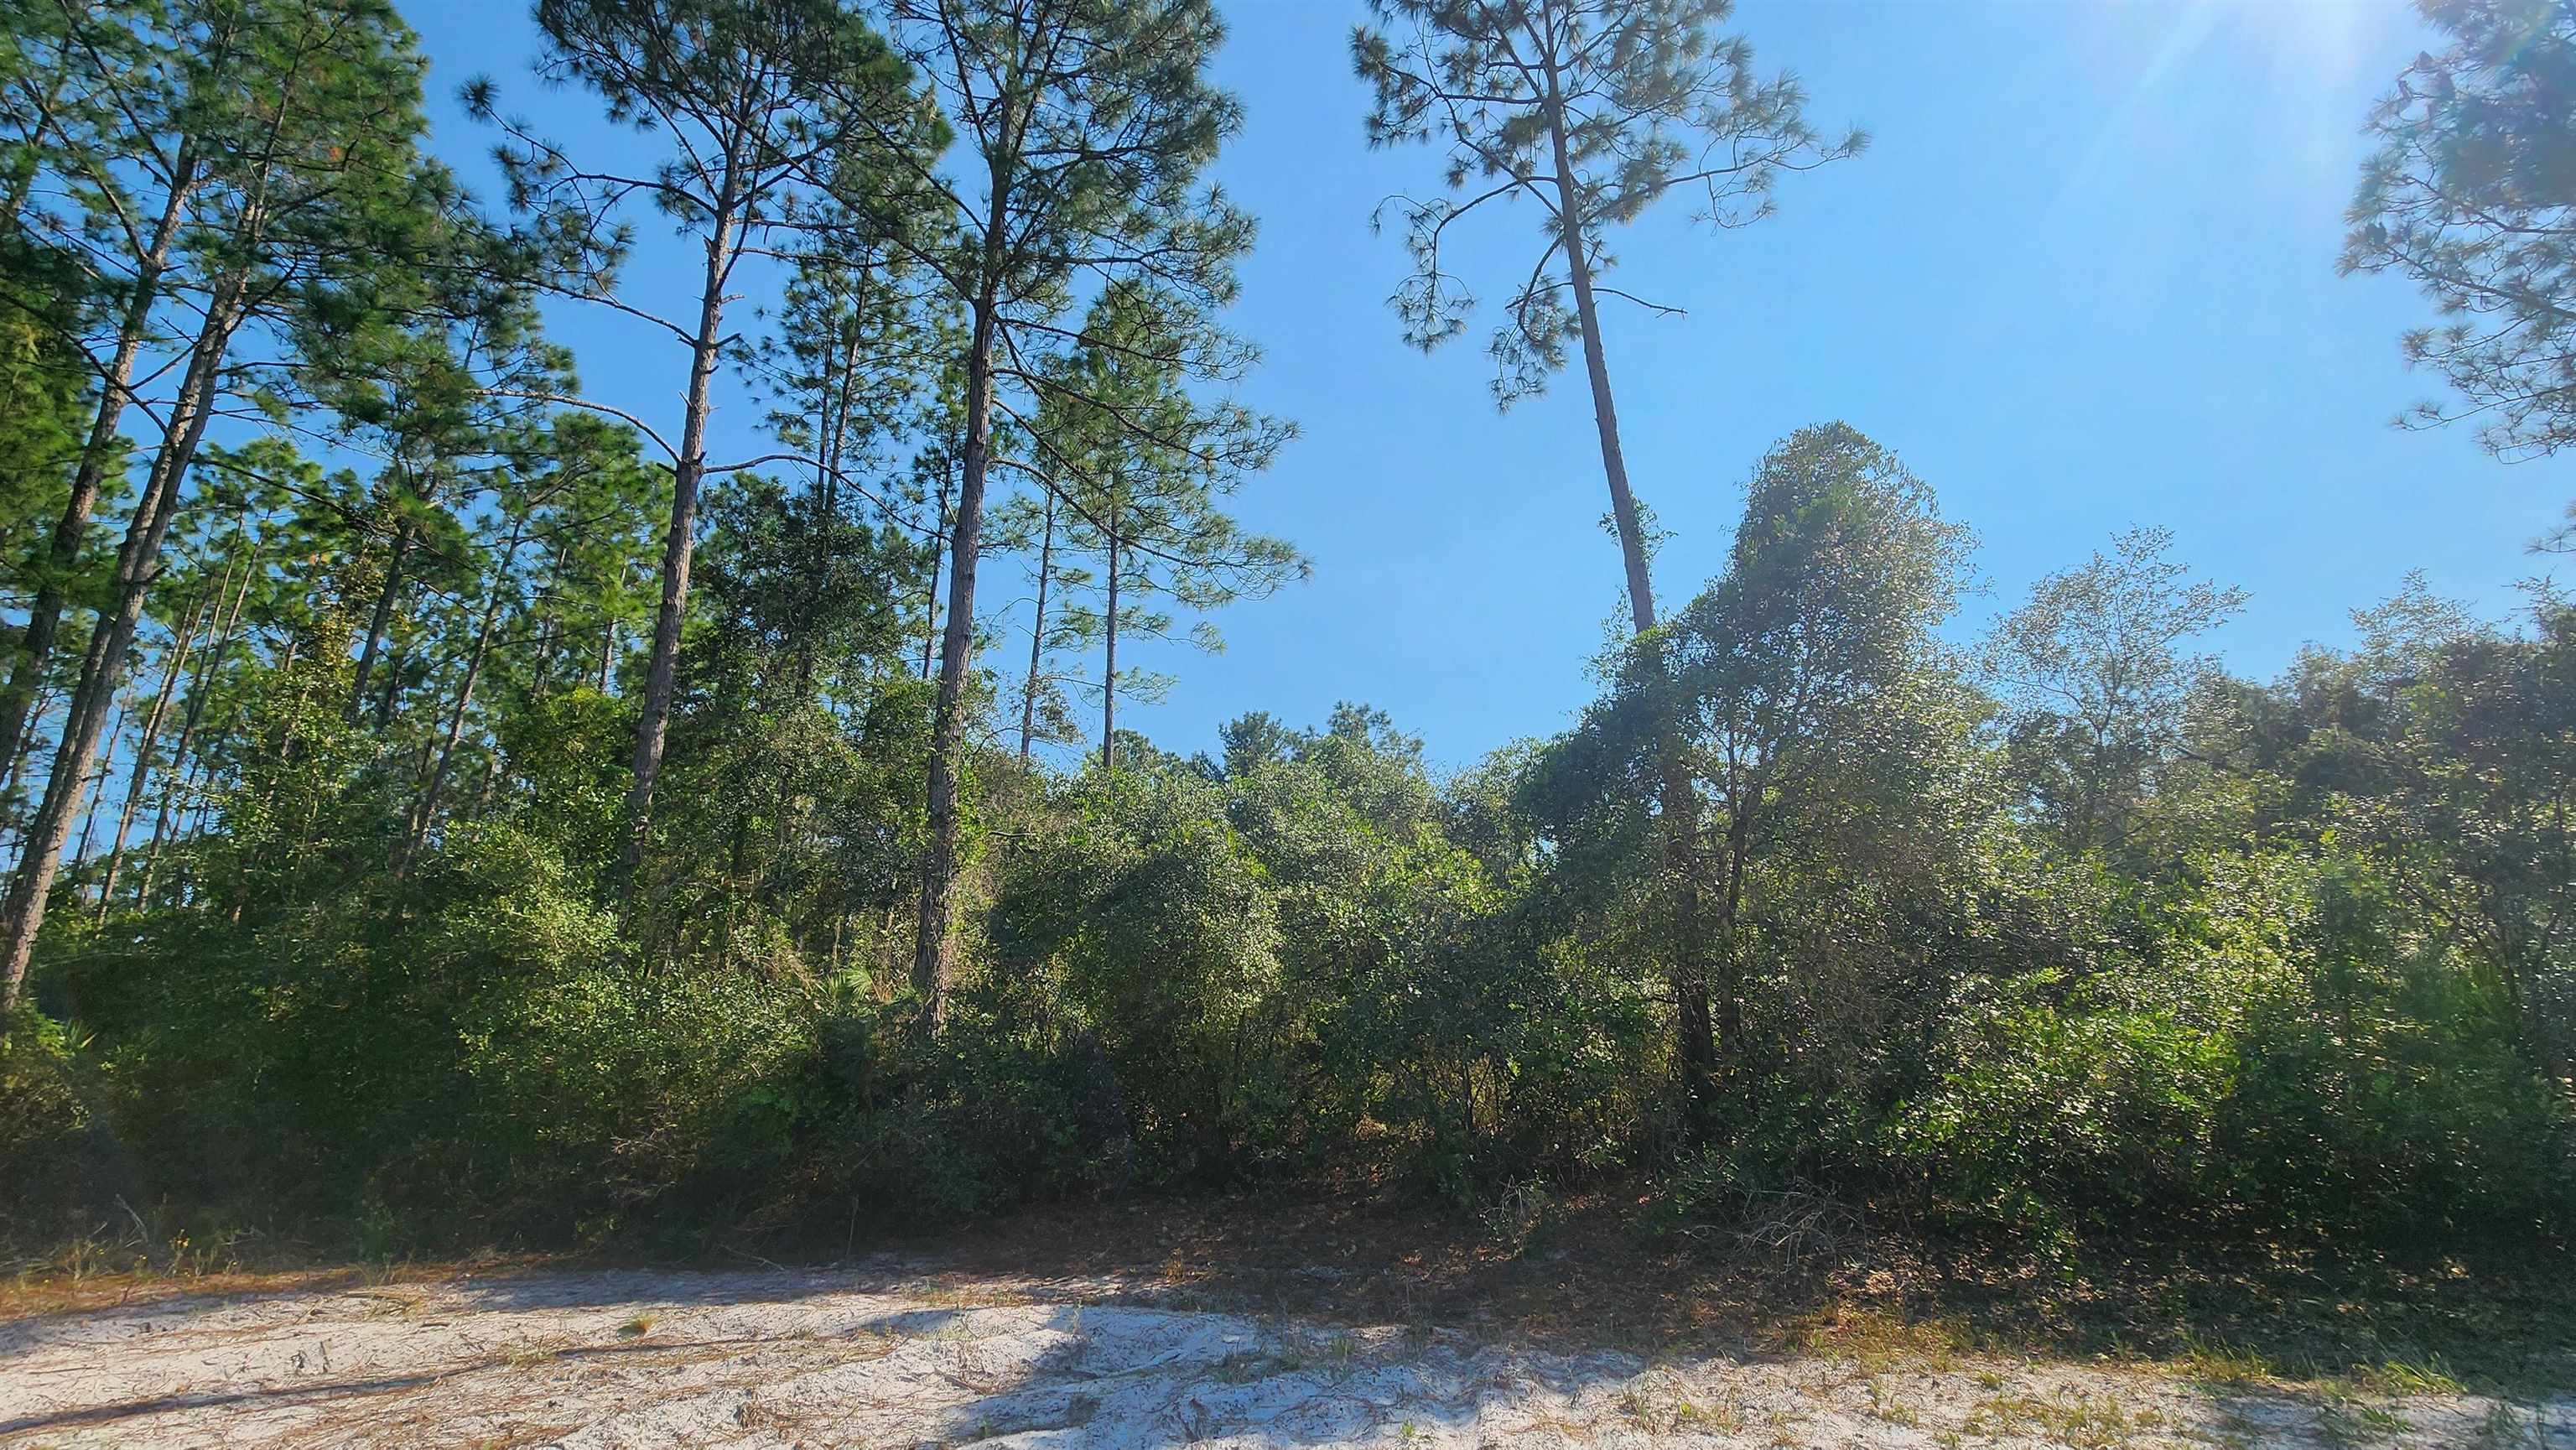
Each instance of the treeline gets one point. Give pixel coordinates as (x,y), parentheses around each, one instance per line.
(455,805)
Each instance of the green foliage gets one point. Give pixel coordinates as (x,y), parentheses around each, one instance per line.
(2096,681)
(381,947)
(1593,110)
(43,403)
(2279,1052)
(2468,195)
(1160,929)
(2317,988)
(57,1175)
(475,1053)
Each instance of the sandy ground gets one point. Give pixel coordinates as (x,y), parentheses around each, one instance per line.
(886,1354)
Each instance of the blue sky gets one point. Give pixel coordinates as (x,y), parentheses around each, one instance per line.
(2082,279)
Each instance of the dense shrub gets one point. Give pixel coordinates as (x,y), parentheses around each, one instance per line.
(479,1055)
(2282,1056)
(59,1170)
(2117,945)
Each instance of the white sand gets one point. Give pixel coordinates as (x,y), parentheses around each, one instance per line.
(880,1356)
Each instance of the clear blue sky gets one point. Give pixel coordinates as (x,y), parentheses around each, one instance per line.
(2083,278)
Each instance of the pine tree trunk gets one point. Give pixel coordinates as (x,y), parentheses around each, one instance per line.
(678,548)
(45,612)
(44,706)
(389,698)
(541,678)
(427,808)
(1109,669)
(608,636)
(1037,630)
(103,670)
(1695,1041)
(379,621)
(98,788)
(932,964)
(844,395)
(941,528)
(181,772)
(151,736)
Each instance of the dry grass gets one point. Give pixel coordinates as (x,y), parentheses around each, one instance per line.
(53,1286)
(2083,1422)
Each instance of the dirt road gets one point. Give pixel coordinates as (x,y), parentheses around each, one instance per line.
(886,1354)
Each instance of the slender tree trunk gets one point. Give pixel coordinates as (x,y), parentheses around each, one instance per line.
(98,787)
(197,806)
(427,808)
(151,736)
(1037,630)
(541,679)
(1696,1041)
(941,528)
(103,670)
(1109,669)
(608,636)
(45,612)
(932,949)
(286,738)
(837,425)
(677,550)
(831,427)
(1730,1003)
(389,696)
(181,771)
(380,621)
(1605,412)
(44,706)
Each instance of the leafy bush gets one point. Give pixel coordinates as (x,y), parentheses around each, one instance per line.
(2281,1058)
(58,1170)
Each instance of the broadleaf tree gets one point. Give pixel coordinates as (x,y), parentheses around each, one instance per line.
(2096,670)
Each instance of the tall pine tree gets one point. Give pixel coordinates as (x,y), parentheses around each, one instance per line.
(758,111)
(1593,110)
(1084,126)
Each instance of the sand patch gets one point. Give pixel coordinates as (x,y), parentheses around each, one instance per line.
(884,1355)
